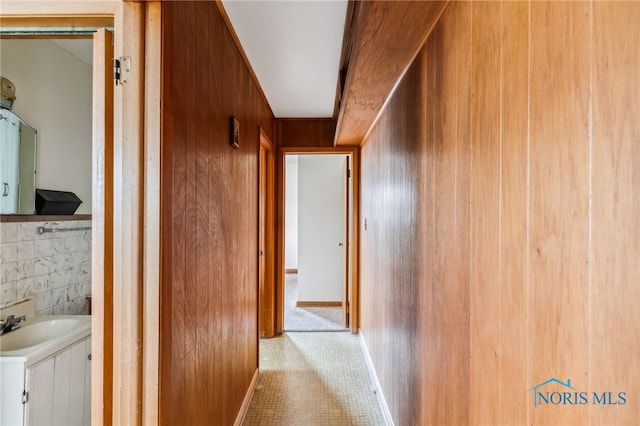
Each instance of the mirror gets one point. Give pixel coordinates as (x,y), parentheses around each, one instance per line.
(17,165)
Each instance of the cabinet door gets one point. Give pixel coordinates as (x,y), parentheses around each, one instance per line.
(40,388)
(9,161)
(87,383)
(77,383)
(12,384)
(60,388)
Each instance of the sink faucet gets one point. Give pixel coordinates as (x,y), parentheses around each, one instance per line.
(11,323)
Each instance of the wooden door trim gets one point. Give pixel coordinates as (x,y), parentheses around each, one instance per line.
(152,238)
(126,210)
(102,226)
(127,199)
(280,220)
(266,321)
(347,255)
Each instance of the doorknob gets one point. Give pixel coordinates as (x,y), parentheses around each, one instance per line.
(261,253)
(340,244)
(5,190)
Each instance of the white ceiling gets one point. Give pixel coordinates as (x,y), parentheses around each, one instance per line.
(294,49)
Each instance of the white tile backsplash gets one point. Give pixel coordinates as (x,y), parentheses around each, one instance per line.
(24,288)
(27,231)
(8,273)
(8,252)
(53,268)
(58,246)
(43,248)
(41,265)
(8,291)
(41,283)
(8,233)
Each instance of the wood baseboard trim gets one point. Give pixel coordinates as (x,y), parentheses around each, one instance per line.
(291,271)
(313,304)
(388,420)
(247,399)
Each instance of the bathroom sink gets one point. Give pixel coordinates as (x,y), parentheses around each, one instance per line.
(40,331)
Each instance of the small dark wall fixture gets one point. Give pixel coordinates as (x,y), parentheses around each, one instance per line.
(50,202)
(234,132)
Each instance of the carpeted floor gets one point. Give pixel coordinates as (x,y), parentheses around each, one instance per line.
(308,319)
(313,379)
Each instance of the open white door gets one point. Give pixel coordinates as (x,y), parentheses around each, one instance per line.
(322,232)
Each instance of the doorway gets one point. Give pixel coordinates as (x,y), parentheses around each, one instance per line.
(278,242)
(61,79)
(316,242)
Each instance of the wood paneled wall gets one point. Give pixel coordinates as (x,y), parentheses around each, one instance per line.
(305,132)
(209,210)
(500,192)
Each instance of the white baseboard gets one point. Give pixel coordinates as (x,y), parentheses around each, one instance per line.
(247,399)
(374,377)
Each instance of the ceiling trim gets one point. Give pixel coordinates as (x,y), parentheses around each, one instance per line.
(386,38)
(345,54)
(68,22)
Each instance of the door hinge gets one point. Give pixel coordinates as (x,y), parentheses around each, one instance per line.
(25,397)
(348,173)
(122,70)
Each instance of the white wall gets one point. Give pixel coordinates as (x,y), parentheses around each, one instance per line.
(321,188)
(291,213)
(54,95)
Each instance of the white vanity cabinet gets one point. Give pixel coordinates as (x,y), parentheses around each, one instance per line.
(58,389)
(48,383)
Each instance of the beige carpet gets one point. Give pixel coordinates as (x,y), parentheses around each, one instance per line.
(313,379)
(308,319)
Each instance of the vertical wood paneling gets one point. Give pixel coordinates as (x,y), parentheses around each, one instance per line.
(445,341)
(305,132)
(209,205)
(485,221)
(526,232)
(427,315)
(559,201)
(615,248)
(513,348)
(458,410)
(391,287)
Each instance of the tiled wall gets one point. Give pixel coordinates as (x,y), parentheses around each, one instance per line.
(52,268)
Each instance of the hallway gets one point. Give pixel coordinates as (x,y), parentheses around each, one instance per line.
(313,379)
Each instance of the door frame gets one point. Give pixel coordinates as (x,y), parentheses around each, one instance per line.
(126,211)
(353,249)
(266,243)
